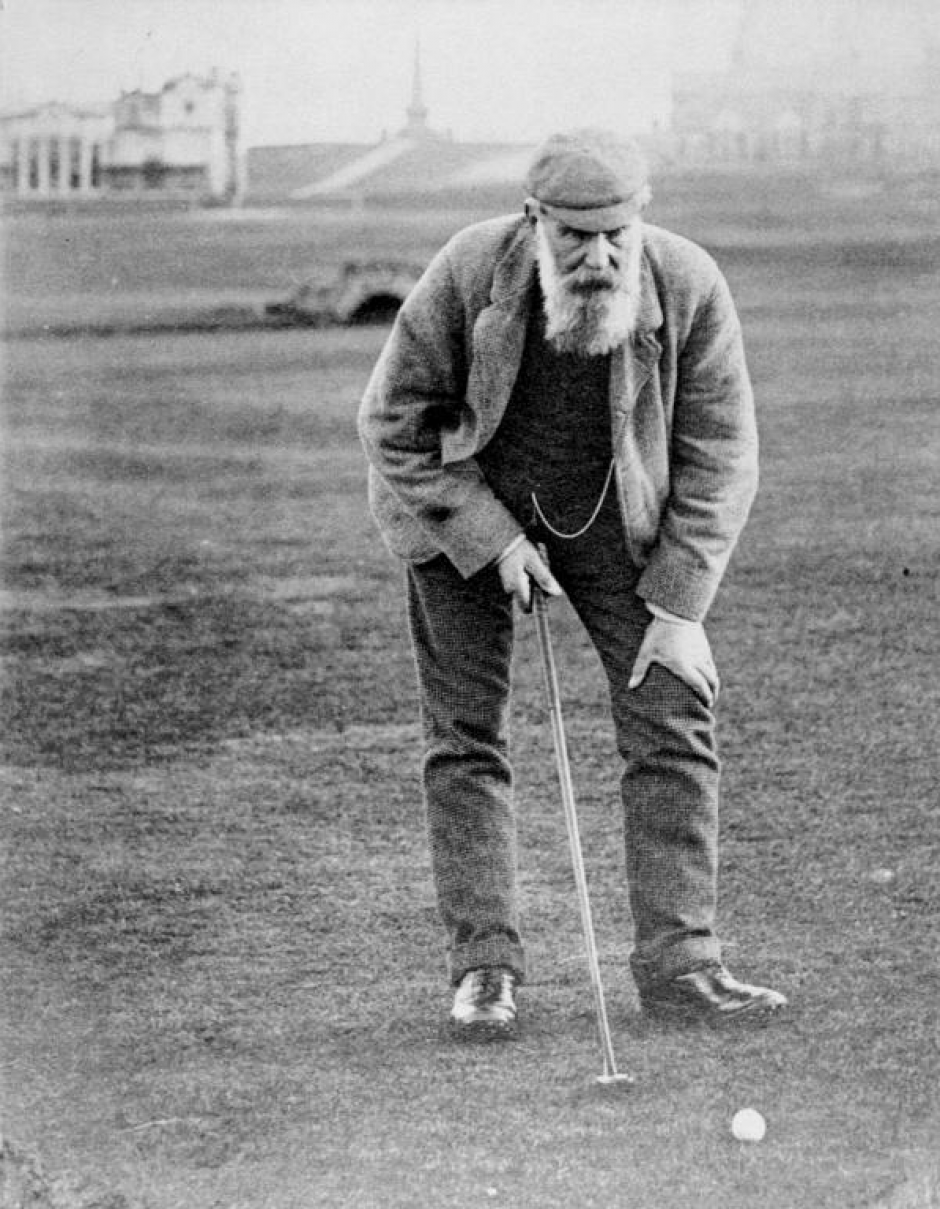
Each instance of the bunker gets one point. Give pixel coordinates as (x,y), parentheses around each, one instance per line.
(364,292)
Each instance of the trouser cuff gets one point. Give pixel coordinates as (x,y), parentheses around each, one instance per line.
(680,957)
(493,951)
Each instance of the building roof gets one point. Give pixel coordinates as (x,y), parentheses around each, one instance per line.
(55,108)
(396,167)
(276,173)
(417,160)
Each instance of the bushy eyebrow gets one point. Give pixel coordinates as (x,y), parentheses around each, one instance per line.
(613,233)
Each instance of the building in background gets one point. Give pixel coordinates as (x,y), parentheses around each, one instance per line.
(850,85)
(416,162)
(54,151)
(180,143)
(843,89)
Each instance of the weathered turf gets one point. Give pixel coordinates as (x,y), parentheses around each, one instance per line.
(223,974)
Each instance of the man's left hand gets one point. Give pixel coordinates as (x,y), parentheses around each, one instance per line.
(682,647)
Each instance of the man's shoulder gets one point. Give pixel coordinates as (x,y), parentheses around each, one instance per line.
(484,252)
(485,238)
(677,259)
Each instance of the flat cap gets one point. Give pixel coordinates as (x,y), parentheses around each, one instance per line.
(591,179)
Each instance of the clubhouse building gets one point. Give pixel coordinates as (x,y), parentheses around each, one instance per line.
(180,142)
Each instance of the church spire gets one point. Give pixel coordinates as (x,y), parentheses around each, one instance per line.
(417,111)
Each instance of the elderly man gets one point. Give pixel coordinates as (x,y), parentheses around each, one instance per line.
(569,382)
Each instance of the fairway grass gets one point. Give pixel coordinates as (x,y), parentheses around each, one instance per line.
(224,983)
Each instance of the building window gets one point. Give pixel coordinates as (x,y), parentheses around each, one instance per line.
(75,163)
(55,163)
(15,162)
(34,163)
(95,165)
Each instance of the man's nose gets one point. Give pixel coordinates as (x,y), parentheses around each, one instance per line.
(597,252)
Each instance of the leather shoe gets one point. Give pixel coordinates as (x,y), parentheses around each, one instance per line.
(485,1006)
(709,995)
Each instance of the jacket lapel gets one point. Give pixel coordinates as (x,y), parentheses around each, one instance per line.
(499,337)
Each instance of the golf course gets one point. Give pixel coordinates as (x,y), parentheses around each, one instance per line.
(223,978)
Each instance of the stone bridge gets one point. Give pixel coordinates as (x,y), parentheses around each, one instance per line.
(363,292)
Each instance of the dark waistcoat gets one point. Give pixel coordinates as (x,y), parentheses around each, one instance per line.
(555,436)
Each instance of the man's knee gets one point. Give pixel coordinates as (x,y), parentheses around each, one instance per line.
(663,713)
(464,736)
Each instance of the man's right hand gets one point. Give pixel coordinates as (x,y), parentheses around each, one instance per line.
(518,567)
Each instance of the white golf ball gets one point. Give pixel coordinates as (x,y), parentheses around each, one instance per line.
(747,1125)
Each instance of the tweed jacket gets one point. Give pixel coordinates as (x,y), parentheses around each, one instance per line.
(682,413)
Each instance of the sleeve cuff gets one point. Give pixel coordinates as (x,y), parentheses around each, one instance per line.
(665,615)
(514,544)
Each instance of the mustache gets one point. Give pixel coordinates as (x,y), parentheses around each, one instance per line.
(591,281)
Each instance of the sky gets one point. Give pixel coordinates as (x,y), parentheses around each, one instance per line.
(503,70)
(342,69)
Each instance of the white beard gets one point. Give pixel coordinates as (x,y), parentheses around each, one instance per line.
(590,323)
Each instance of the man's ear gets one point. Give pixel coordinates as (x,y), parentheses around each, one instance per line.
(532,211)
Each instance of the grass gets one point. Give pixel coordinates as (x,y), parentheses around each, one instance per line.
(223,971)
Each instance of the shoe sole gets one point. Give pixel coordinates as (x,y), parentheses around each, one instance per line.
(483,1031)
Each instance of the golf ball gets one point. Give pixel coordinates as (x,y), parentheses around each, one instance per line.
(748,1125)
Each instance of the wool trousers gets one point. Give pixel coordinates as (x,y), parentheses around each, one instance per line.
(462,636)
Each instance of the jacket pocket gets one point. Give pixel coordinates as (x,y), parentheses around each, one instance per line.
(400,531)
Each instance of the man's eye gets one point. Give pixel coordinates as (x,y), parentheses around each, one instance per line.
(617,235)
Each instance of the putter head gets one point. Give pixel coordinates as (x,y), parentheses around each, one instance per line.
(615,1080)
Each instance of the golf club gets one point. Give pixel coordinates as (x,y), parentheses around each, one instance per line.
(611,1075)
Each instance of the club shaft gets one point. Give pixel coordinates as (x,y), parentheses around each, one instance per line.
(571,819)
